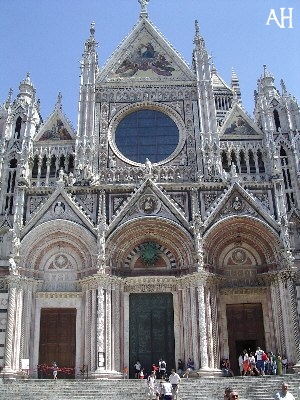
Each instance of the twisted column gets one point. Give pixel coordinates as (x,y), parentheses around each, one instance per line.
(8,351)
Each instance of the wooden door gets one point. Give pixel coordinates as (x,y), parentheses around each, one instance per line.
(58,341)
(245,330)
(151,330)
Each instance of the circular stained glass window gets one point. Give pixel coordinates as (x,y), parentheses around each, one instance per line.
(147,134)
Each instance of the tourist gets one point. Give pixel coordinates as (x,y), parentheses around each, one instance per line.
(180,367)
(234,395)
(137,369)
(260,362)
(245,363)
(227,392)
(252,362)
(54,370)
(151,380)
(190,364)
(284,394)
(279,364)
(241,363)
(174,379)
(284,364)
(162,368)
(166,390)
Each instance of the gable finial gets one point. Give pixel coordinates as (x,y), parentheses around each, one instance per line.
(58,102)
(144,12)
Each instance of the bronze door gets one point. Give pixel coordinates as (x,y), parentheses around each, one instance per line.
(151,330)
(57,341)
(245,330)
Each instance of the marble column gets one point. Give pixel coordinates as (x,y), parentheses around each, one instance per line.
(195,342)
(202,327)
(100,330)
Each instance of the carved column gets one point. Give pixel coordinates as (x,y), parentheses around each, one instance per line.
(215,327)
(10,325)
(290,317)
(195,343)
(116,364)
(210,337)
(100,324)
(16,365)
(202,326)
(277,314)
(108,329)
(186,323)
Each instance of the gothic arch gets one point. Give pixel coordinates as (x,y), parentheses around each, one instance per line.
(258,241)
(54,241)
(171,239)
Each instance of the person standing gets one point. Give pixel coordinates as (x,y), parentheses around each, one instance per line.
(137,369)
(279,364)
(284,364)
(284,393)
(151,385)
(241,363)
(174,379)
(54,370)
(162,368)
(245,363)
(260,363)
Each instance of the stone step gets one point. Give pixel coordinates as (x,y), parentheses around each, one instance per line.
(249,388)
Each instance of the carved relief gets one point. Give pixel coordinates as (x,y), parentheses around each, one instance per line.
(149,204)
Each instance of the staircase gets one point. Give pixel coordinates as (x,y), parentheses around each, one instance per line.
(249,388)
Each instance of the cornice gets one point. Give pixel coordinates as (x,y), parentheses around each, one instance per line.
(242,290)
(58,295)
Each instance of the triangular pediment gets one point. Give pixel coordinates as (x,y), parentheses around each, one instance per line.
(58,206)
(238,124)
(149,201)
(237,201)
(56,128)
(145,54)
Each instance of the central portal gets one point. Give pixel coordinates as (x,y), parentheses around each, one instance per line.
(151,330)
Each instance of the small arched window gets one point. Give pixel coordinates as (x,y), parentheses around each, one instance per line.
(276,120)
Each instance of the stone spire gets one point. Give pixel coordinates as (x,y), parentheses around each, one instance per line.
(235,85)
(26,88)
(144,12)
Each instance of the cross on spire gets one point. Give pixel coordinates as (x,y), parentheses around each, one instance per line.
(144,12)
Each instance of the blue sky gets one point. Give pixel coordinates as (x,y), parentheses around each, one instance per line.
(46,38)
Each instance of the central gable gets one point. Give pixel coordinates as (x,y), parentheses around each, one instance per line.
(145,54)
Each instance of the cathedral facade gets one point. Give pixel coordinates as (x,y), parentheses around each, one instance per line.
(167,225)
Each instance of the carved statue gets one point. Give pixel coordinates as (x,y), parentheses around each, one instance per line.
(148,166)
(143,4)
(13,266)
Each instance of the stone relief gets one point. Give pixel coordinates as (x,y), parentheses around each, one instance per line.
(149,204)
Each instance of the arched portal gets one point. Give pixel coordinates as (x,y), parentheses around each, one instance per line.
(56,254)
(242,252)
(155,249)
